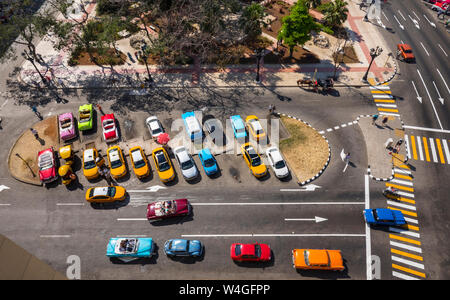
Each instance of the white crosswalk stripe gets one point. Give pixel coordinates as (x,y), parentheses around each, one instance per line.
(447,152)
(398,204)
(433,150)
(407,146)
(402,182)
(408,247)
(403,276)
(408,262)
(419,146)
(404,231)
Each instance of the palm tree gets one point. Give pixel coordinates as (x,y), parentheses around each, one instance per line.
(251,20)
(313,3)
(335,13)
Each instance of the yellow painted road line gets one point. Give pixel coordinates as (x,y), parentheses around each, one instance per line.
(401,199)
(384,100)
(403,166)
(400,187)
(408,270)
(371,81)
(441,153)
(387,109)
(407,177)
(425,146)
(417,257)
(381,92)
(405,212)
(410,227)
(413,146)
(400,238)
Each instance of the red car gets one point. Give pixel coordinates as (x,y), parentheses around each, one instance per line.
(168,208)
(250,252)
(110,133)
(47,165)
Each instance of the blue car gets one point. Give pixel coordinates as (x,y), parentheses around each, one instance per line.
(384,216)
(208,161)
(192,126)
(181,247)
(238,127)
(127,249)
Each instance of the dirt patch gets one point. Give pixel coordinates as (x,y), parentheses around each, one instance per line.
(348,56)
(111,58)
(306,151)
(23,155)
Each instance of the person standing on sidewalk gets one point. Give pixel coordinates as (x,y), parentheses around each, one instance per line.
(34,109)
(100,109)
(34,132)
(374,119)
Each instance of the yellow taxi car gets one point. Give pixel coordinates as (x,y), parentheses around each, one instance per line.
(116,162)
(317,259)
(163,164)
(105,194)
(253,160)
(254,127)
(139,162)
(90,167)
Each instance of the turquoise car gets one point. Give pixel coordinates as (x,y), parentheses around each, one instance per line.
(85,116)
(208,161)
(128,249)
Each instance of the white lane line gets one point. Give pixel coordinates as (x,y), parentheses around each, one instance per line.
(274,203)
(433,150)
(411,248)
(425,49)
(403,276)
(403,171)
(387,105)
(405,194)
(380,87)
(5,204)
(384,15)
(382,96)
(55,236)
(388,114)
(432,104)
(398,204)
(448,90)
(69,204)
(416,15)
(408,151)
(426,129)
(275,235)
(407,262)
(405,232)
(442,50)
(447,152)
(400,25)
(409,220)
(419,146)
(402,182)
(132,219)
(368,244)
(401,15)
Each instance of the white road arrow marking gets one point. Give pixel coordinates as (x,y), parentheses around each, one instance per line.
(401,26)
(308,188)
(150,189)
(384,15)
(442,50)
(431,23)
(416,15)
(415,22)
(439,94)
(448,90)
(3,187)
(432,104)
(401,15)
(316,219)
(418,96)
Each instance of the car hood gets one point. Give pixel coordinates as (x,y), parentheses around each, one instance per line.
(369,216)
(190,173)
(195,246)
(47,173)
(282,172)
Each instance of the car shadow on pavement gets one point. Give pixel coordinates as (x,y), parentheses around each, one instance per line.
(139,261)
(172,221)
(111,205)
(188,260)
(325,274)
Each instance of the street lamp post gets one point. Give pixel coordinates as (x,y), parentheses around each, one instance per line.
(259,53)
(373,53)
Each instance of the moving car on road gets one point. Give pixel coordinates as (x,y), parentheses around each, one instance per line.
(110,133)
(277,162)
(163,164)
(208,161)
(90,167)
(187,165)
(317,259)
(182,247)
(139,161)
(238,127)
(254,128)
(250,252)
(404,52)
(85,117)
(47,165)
(116,162)
(105,194)
(154,126)
(167,209)
(66,126)
(384,216)
(253,160)
(128,249)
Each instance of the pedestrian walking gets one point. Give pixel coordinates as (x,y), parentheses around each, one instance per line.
(34,132)
(385,119)
(347,157)
(270,108)
(374,119)
(34,109)
(100,109)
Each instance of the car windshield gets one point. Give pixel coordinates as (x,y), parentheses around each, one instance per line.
(279,164)
(187,165)
(116,163)
(65,123)
(209,162)
(237,250)
(257,251)
(306,255)
(375,215)
(45,162)
(111,191)
(156,131)
(139,164)
(408,51)
(89,164)
(254,157)
(162,162)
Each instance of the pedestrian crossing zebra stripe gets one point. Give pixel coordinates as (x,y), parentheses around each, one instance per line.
(434,150)
(447,152)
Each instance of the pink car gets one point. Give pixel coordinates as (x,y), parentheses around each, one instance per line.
(66,126)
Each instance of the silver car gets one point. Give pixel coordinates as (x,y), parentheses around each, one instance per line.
(154,126)
(277,162)
(187,165)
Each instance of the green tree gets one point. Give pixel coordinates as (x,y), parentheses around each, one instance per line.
(251,20)
(297,27)
(313,3)
(335,13)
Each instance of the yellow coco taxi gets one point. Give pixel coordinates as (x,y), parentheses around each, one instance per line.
(163,164)
(139,162)
(254,128)
(317,259)
(116,162)
(105,194)
(253,160)
(90,168)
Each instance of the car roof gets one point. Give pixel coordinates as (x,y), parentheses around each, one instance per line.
(182,153)
(255,124)
(206,153)
(136,154)
(154,124)
(179,245)
(88,154)
(318,257)
(193,123)
(65,115)
(275,153)
(113,153)
(385,214)
(100,191)
(237,122)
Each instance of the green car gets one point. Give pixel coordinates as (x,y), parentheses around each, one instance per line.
(85,114)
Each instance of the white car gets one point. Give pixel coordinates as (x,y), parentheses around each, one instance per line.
(277,162)
(187,165)
(154,126)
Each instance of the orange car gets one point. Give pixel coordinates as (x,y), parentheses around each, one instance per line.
(315,259)
(404,51)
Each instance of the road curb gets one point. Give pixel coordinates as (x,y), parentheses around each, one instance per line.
(329,150)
